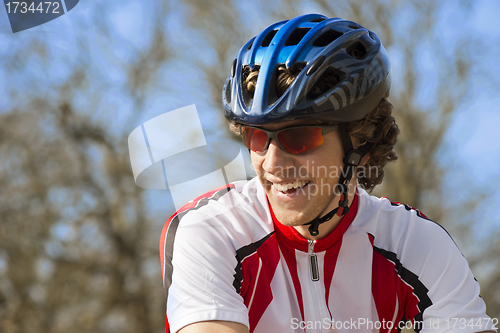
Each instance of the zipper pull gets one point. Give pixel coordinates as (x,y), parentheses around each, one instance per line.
(313,261)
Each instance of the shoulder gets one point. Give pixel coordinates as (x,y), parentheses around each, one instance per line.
(391,223)
(413,242)
(237,212)
(403,232)
(241,198)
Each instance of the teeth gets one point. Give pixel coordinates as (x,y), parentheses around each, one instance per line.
(286,187)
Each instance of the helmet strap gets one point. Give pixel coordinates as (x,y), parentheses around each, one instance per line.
(351,160)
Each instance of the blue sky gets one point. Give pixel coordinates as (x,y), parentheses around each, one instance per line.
(474,134)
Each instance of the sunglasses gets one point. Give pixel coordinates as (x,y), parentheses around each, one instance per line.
(294,140)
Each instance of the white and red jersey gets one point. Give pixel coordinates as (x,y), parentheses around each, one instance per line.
(225,257)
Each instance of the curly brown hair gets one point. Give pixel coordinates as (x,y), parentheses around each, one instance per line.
(377,127)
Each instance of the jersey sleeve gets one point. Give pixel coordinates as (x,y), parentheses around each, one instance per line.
(447,292)
(203,269)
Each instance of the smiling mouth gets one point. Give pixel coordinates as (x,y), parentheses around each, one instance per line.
(290,188)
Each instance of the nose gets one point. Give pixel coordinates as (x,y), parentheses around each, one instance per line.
(277,161)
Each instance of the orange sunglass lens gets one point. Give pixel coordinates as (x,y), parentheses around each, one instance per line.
(299,140)
(255,139)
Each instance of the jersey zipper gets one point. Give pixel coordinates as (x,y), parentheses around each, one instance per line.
(314,273)
(313,261)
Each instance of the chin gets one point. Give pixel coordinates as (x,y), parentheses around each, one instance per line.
(289,221)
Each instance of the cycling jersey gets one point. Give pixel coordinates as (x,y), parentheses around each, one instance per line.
(226,257)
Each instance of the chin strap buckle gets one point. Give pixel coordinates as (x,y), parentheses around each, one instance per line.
(313,229)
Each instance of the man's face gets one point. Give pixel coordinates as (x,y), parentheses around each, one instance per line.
(300,186)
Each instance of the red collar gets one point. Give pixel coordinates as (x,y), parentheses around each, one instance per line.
(290,236)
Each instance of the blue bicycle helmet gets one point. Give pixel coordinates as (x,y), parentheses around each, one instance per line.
(321,46)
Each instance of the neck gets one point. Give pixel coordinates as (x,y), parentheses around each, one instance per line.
(327,227)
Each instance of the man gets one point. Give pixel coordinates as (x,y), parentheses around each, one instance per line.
(302,247)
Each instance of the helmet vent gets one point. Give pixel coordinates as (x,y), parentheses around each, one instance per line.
(356,50)
(318,19)
(269,37)
(248,82)
(352,26)
(326,38)
(296,36)
(281,81)
(228,92)
(250,46)
(328,80)
(233,67)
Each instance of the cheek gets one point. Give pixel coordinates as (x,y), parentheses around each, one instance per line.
(328,161)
